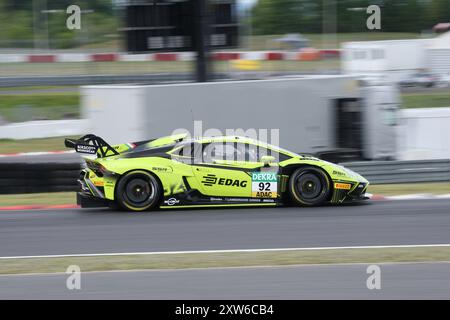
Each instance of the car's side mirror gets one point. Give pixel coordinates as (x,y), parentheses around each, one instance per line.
(267,160)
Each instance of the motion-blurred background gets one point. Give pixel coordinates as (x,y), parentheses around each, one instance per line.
(360,86)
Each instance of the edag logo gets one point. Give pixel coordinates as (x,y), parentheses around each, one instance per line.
(211,179)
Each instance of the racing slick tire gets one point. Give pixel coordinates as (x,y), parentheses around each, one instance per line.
(138,191)
(309,186)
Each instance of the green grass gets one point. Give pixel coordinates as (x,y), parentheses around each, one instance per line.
(426,100)
(234,259)
(410,188)
(36,105)
(36,88)
(57,198)
(32,145)
(90,68)
(139,67)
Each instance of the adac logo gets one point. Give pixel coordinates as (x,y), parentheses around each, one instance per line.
(211,179)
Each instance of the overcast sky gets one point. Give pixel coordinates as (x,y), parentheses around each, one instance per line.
(246,3)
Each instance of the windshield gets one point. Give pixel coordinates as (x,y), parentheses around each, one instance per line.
(278,149)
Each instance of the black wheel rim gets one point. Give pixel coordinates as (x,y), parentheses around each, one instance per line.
(139,192)
(309,186)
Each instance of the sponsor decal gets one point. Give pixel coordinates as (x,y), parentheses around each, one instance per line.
(264,184)
(338,173)
(98,183)
(161,169)
(85,148)
(342,186)
(241,200)
(211,179)
(237,199)
(172,201)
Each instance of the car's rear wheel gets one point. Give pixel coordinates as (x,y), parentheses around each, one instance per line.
(138,191)
(309,186)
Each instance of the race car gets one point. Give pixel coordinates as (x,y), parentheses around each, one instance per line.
(177,171)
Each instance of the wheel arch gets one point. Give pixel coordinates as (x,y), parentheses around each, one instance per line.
(158,179)
(290,169)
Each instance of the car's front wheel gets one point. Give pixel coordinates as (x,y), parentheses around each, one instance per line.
(309,186)
(138,191)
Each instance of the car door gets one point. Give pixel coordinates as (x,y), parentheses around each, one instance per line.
(219,174)
(234,170)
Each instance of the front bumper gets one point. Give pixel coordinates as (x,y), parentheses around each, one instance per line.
(357,192)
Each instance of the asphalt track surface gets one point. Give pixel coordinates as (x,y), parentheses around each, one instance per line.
(82,231)
(398,281)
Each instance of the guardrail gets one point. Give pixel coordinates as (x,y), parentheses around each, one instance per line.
(59,80)
(38,177)
(62,176)
(151,78)
(379,172)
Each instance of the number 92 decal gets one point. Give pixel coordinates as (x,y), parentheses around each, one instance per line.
(264,185)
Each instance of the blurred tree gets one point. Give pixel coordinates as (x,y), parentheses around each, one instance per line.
(19,30)
(286,16)
(15,24)
(439,11)
(268,17)
(351,15)
(306,16)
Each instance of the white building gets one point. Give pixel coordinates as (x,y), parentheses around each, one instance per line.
(395,58)
(439,54)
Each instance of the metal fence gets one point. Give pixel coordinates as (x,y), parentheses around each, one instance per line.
(380,172)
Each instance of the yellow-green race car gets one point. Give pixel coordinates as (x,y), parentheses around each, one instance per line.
(176,171)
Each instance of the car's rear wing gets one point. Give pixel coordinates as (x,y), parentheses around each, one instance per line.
(91,144)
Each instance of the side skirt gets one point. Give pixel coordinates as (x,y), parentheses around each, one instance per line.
(274,204)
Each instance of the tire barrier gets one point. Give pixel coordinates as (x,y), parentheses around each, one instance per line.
(18,178)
